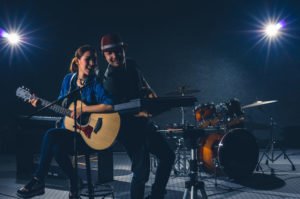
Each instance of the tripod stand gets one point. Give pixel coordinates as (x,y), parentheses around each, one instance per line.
(193,185)
(269,152)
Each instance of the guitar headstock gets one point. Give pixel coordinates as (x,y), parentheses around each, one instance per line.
(24,93)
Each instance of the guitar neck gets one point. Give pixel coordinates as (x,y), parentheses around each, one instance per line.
(56,108)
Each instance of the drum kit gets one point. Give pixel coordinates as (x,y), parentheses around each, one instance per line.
(226,147)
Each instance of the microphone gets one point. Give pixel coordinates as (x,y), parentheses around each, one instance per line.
(97,73)
(97,70)
(148,86)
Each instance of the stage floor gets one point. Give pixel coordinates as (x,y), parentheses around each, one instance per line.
(284,184)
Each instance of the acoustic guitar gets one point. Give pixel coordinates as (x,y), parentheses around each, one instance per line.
(98,130)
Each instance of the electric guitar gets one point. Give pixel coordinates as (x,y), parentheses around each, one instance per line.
(98,130)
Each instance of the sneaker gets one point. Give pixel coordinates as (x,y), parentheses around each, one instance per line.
(33,188)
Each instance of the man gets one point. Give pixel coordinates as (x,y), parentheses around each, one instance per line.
(139,137)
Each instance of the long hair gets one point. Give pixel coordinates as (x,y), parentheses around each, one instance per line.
(79,53)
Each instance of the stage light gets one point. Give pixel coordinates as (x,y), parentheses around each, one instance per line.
(13,43)
(16,39)
(272,30)
(12,38)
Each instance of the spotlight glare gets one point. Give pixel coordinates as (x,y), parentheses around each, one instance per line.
(12,38)
(272,30)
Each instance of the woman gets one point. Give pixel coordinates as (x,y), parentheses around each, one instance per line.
(58,142)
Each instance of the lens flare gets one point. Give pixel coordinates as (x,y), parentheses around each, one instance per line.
(12,38)
(273,30)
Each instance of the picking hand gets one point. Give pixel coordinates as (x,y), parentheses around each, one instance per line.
(78,113)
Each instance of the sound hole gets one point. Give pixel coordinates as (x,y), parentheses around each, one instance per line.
(83,119)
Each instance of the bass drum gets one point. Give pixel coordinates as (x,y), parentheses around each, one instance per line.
(235,152)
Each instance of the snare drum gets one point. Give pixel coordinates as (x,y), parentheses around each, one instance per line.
(234,154)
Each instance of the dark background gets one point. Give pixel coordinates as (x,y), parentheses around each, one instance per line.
(207,45)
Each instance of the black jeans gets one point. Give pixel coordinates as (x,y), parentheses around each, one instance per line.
(139,137)
(58,143)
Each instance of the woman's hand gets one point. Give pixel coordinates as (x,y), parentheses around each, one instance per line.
(33,101)
(78,113)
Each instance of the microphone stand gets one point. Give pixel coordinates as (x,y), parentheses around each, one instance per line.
(75,150)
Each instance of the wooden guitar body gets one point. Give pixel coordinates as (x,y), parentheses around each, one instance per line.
(98,130)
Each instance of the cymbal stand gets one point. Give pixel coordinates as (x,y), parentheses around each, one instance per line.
(182,116)
(180,152)
(182,111)
(269,152)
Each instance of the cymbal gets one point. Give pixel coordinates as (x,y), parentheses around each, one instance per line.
(182,90)
(259,103)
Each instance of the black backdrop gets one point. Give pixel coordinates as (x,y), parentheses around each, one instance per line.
(207,45)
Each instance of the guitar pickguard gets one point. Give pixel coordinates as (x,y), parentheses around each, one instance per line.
(87,130)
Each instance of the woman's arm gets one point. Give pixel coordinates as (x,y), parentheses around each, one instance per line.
(97,108)
(92,109)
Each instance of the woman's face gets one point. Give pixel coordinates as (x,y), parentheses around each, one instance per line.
(87,63)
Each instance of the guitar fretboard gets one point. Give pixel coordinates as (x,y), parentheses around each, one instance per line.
(56,108)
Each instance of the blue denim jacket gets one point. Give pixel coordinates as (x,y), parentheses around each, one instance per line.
(91,95)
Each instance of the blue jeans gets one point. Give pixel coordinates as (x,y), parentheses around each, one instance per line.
(58,143)
(139,137)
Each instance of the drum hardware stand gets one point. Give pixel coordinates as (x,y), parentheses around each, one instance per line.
(269,152)
(180,171)
(180,146)
(216,166)
(193,185)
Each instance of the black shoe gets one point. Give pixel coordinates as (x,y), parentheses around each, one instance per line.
(33,188)
(155,197)
(72,195)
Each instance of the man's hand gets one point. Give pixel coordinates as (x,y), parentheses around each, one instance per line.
(143,114)
(152,95)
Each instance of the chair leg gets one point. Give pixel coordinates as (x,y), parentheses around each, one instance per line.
(89,178)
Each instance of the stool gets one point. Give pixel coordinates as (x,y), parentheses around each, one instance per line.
(91,190)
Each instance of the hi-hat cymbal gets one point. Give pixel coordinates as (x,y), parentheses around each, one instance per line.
(259,103)
(182,90)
